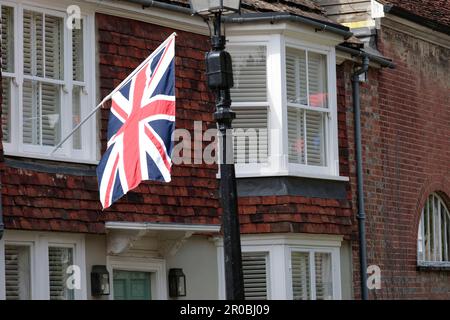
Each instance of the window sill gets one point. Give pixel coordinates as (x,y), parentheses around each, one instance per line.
(291,174)
(54,157)
(433,266)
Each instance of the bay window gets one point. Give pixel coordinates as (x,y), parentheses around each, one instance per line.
(46,86)
(284,97)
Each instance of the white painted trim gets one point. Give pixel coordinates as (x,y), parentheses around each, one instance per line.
(152,265)
(39,243)
(279,248)
(15,147)
(111,225)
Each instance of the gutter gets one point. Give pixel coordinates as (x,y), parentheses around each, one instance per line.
(383,62)
(271,17)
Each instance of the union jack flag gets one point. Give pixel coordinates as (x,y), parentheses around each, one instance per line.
(140,127)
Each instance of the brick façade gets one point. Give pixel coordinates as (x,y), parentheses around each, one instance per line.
(406,156)
(34,200)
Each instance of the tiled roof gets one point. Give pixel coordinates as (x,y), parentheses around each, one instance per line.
(437,11)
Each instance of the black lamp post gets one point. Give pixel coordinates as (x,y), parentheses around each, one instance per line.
(220,79)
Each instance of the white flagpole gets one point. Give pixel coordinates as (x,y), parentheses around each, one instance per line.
(111,94)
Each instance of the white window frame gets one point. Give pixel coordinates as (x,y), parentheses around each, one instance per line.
(438,261)
(278,248)
(278,150)
(39,243)
(88,153)
(156,267)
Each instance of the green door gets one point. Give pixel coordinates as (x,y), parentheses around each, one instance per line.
(131,285)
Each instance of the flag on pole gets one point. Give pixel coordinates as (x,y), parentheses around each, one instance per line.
(140,127)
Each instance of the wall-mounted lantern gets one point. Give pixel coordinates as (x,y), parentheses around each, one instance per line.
(177,283)
(100,281)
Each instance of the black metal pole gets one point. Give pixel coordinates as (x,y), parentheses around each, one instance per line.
(234,283)
(361,216)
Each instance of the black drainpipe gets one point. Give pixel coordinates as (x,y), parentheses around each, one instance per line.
(359,174)
(2,226)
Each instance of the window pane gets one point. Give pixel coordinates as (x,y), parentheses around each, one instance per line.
(59,259)
(296,135)
(17,272)
(41,113)
(76,116)
(315,134)
(7,39)
(250,135)
(51,120)
(296,76)
(435,226)
(77,52)
(6,108)
(31,113)
(254,267)
(54,49)
(301,275)
(33,43)
(324,283)
(249,72)
(317,79)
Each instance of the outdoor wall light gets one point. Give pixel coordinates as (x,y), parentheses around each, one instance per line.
(207,7)
(100,281)
(177,283)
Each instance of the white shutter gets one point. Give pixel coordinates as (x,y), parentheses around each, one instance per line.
(77,53)
(59,259)
(315,133)
(317,79)
(296,76)
(324,283)
(17,272)
(301,276)
(249,72)
(254,267)
(30,113)
(7,39)
(51,122)
(54,52)
(250,135)
(6,107)
(33,44)
(296,137)
(76,116)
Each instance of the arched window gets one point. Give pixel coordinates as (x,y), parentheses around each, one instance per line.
(433,241)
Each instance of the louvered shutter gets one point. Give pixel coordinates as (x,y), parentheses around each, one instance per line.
(17,272)
(250,86)
(77,53)
(6,107)
(250,135)
(76,116)
(301,276)
(54,47)
(59,259)
(50,98)
(296,137)
(324,284)
(249,72)
(296,76)
(33,43)
(7,39)
(30,113)
(254,267)
(317,80)
(315,134)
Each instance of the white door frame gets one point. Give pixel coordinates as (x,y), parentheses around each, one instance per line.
(152,265)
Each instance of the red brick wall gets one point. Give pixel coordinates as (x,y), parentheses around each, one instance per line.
(406,154)
(61,202)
